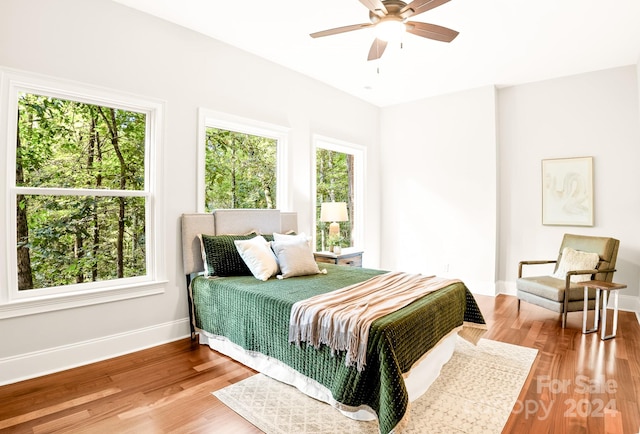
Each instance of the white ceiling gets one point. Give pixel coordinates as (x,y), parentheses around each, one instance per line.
(501,42)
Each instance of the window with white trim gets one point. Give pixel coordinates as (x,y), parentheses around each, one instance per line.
(240,163)
(81,169)
(339,177)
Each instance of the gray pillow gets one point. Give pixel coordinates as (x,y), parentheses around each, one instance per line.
(295,258)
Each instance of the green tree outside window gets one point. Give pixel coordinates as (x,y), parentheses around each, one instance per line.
(334,183)
(240,170)
(73,160)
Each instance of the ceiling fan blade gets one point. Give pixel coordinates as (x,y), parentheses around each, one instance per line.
(340,30)
(377,49)
(375,6)
(419,6)
(431,31)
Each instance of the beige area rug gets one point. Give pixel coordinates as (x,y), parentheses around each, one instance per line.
(475,393)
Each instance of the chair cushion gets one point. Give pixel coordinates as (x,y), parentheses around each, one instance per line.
(556,306)
(551,288)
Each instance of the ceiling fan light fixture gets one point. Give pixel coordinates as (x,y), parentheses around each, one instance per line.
(390,29)
(389,19)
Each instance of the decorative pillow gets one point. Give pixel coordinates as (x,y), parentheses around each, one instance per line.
(258,257)
(573,260)
(270,237)
(295,258)
(292,237)
(220,256)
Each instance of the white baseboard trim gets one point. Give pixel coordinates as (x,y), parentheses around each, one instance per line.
(507,288)
(35,364)
(629,303)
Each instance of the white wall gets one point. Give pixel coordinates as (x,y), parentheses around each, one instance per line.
(446,187)
(439,187)
(106,44)
(594,114)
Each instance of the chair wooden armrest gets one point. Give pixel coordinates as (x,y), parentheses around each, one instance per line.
(580,272)
(543,261)
(567,279)
(594,271)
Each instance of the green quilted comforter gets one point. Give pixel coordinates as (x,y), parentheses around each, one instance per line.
(255,315)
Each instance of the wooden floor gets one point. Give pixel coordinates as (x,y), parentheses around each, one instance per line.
(578,384)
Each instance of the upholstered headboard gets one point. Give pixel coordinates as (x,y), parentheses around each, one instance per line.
(229,221)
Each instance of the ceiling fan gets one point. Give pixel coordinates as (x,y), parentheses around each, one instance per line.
(389,16)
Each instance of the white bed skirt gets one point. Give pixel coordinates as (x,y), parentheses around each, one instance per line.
(417,380)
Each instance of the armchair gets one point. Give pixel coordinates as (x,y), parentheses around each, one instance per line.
(562,291)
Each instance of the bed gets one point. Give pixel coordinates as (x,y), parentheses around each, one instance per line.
(248,320)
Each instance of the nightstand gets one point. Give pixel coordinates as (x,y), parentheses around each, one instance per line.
(347,258)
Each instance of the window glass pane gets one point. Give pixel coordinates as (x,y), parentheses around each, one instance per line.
(334,183)
(64,240)
(69,144)
(240,170)
(68,239)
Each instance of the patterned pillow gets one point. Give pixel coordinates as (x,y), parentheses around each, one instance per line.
(220,256)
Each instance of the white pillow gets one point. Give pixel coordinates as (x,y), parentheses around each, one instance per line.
(295,258)
(258,256)
(292,237)
(573,260)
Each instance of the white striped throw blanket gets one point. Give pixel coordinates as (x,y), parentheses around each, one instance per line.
(341,319)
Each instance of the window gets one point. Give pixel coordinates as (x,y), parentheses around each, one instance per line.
(241,162)
(240,170)
(339,175)
(79,177)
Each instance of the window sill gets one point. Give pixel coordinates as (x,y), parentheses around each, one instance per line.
(37,305)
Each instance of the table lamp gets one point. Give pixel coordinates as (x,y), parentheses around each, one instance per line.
(334,212)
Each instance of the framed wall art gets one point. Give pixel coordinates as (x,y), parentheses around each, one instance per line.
(567,191)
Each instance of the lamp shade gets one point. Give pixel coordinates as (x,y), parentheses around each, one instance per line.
(334,212)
